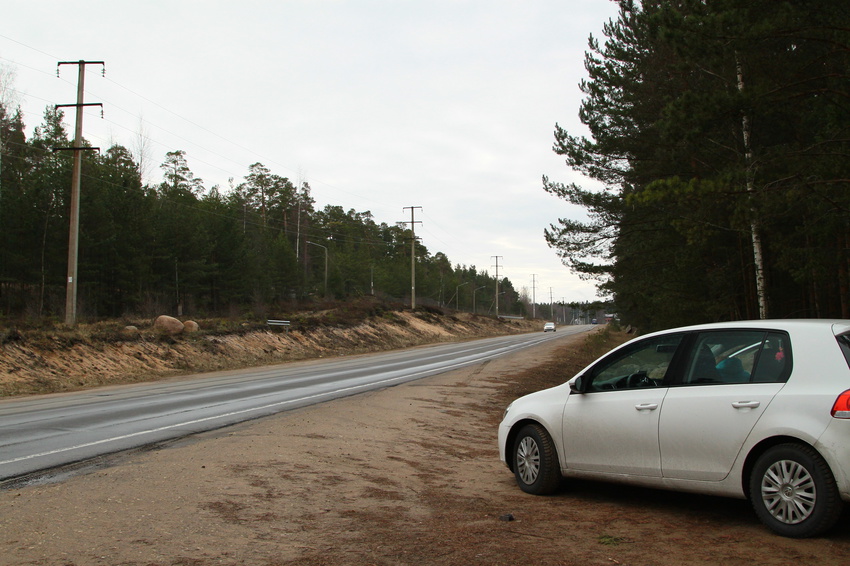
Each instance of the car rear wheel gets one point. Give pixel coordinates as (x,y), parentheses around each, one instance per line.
(793,491)
(535,462)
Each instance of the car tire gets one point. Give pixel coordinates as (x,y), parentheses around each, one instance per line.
(535,462)
(793,491)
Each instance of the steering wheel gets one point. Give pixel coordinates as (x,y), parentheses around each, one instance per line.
(639,379)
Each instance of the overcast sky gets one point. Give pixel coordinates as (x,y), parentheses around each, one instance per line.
(448,105)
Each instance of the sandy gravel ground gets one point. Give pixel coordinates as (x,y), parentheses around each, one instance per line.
(407,475)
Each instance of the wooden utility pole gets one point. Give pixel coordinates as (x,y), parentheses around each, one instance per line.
(412,223)
(74,230)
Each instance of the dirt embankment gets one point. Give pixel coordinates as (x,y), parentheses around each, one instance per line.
(53,361)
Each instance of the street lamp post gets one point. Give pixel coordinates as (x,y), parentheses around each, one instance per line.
(326,265)
(457,295)
(473,297)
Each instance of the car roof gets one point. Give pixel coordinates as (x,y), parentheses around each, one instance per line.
(837,326)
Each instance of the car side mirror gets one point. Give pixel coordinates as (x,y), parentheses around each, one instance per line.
(577,385)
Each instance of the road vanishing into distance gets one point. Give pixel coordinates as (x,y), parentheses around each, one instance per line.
(41,434)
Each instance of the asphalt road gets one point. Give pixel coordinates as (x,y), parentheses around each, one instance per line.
(45,432)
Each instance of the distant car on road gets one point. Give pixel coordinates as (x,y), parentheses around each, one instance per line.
(549,327)
(757,410)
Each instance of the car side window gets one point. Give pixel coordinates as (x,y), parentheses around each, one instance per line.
(739,356)
(643,364)
(774,360)
(844,344)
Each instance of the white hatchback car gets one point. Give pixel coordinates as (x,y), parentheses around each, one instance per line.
(756,409)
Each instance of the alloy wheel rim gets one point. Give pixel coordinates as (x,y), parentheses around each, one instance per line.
(788,492)
(528,460)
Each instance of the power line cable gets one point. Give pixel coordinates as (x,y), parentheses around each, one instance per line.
(314,182)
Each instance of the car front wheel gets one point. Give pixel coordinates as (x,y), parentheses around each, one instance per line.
(535,462)
(793,491)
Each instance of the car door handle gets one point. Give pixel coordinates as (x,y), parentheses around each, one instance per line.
(646,406)
(746,404)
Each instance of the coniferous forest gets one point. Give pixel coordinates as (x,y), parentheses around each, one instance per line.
(257,248)
(720,130)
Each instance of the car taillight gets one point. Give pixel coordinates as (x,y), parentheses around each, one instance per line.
(841,407)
